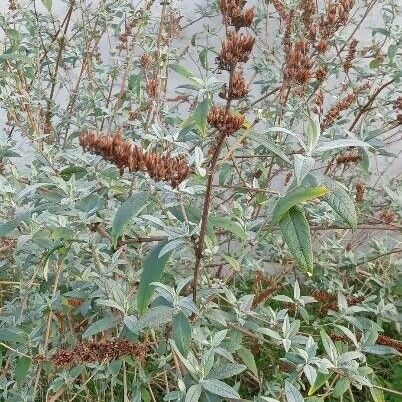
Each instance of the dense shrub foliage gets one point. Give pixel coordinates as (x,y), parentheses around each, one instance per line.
(200,203)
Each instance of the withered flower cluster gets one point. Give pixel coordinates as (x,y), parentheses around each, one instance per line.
(234,15)
(280,9)
(308,17)
(236,48)
(335,111)
(329,301)
(123,43)
(98,352)
(12,5)
(238,88)
(225,121)
(152,87)
(349,158)
(383,340)
(114,149)
(360,190)
(398,109)
(347,65)
(337,15)
(299,65)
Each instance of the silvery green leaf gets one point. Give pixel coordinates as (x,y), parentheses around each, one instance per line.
(101,325)
(172,245)
(313,132)
(329,346)
(219,337)
(311,373)
(227,370)
(220,388)
(155,317)
(337,198)
(339,144)
(348,333)
(296,290)
(283,298)
(267,143)
(380,350)
(189,366)
(269,332)
(302,166)
(288,132)
(193,394)
(248,359)
(292,393)
(286,344)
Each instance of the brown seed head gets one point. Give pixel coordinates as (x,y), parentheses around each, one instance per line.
(236,48)
(224,121)
(239,88)
(234,15)
(114,149)
(351,55)
(360,189)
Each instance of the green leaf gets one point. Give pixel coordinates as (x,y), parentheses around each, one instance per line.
(100,325)
(130,208)
(313,132)
(296,233)
(15,57)
(193,394)
(227,370)
(342,143)
(21,369)
(48,4)
(338,199)
(229,225)
(220,388)
(181,333)
(199,117)
(267,143)
(151,272)
(376,393)
(319,382)
(248,359)
(292,393)
(294,197)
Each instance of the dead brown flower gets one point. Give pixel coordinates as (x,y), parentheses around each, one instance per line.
(349,158)
(98,352)
(387,215)
(238,89)
(125,155)
(347,65)
(234,15)
(225,121)
(299,65)
(152,88)
(360,189)
(280,9)
(329,301)
(236,48)
(336,110)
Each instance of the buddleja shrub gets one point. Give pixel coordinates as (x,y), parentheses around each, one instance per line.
(200,202)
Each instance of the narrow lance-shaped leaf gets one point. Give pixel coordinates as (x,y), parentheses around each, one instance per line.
(151,272)
(296,233)
(294,197)
(130,208)
(338,199)
(181,333)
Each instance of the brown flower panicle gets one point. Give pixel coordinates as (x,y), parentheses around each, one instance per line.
(234,15)
(381,340)
(347,65)
(238,88)
(236,48)
(329,301)
(387,215)
(299,65)
(99,352)
(114,149)
(336,110)
(152,88)
(280,9)
(224,121)
(398,109)
(349,158)
(360,189)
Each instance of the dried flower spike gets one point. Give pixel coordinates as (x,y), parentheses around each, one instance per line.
(347,65)
(125,155)
(234,15)
(236,48)
(238,89)
(99,351)
(224,121)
